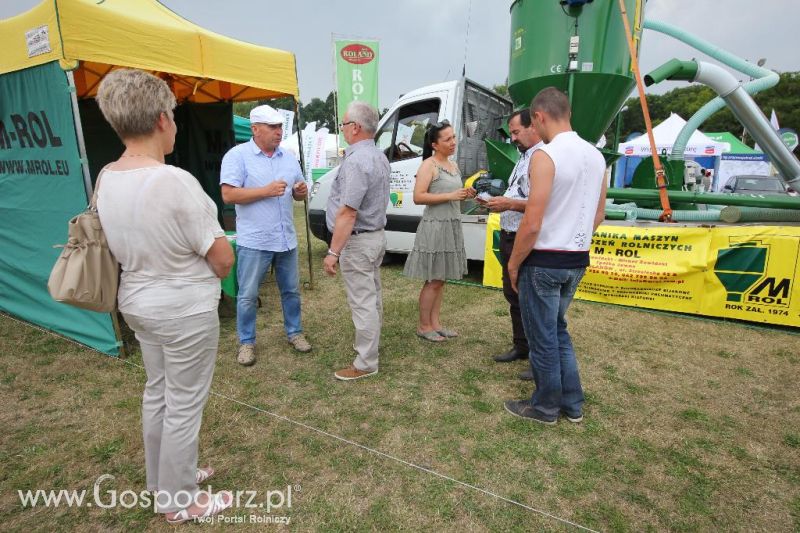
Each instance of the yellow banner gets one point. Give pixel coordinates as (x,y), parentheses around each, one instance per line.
(743,272)
(751,274)
(492,269)
(659,268)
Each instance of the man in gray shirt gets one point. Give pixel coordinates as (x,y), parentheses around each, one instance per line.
(356,216)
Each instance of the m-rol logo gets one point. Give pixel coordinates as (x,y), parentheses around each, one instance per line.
(357,54)
(709,150)
(629,150)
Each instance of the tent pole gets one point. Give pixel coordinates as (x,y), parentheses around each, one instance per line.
(87,184)
(76,118)
(305,200)
(118,332)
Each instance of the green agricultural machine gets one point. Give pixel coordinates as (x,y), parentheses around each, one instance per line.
(581,47)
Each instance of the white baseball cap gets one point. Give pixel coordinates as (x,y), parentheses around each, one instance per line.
(265,114)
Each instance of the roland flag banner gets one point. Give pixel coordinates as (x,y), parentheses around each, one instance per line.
(356,73)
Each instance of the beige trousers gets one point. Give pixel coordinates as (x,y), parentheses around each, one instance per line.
(361,271)
(179,356)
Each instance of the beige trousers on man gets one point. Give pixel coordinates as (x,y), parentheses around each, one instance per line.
(178,356)
(361,271)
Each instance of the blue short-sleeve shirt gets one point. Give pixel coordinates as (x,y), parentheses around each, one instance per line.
(265,224)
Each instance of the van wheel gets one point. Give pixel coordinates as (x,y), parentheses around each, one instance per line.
(391,258)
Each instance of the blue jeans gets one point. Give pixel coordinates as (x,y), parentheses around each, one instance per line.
(545,295)
(252,266)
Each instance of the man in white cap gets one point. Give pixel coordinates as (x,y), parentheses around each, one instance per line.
(262,179)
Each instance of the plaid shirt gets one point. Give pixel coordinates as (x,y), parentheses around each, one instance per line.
(519,187)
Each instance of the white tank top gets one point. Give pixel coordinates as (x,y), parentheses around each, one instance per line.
(568,221)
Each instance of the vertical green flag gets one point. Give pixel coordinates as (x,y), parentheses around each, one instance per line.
(356,74)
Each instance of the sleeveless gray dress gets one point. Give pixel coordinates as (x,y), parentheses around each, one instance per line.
(438,252)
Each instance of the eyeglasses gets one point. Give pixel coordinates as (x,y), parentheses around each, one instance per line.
(440,125)
(343,124)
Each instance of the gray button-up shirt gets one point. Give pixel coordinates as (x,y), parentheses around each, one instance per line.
(362,183)
(519,187)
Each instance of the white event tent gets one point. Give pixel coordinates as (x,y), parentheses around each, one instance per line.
(665,135)
(700,148)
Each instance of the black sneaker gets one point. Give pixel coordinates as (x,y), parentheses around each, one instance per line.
(523,409)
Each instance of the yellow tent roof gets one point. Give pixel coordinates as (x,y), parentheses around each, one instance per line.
(98,36)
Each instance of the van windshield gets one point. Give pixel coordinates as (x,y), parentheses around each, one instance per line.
(402,136)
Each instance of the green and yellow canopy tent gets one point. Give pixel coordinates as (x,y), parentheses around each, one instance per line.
(53,139)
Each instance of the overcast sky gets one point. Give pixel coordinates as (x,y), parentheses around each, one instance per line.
(423,41)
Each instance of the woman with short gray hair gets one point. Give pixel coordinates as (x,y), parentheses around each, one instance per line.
(163,229)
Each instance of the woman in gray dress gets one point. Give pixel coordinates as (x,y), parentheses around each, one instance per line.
(438,252)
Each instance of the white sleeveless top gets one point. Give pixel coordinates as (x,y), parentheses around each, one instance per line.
(568,221)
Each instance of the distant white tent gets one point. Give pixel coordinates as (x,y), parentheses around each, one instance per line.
(665,134)
(331,154)
(700,148)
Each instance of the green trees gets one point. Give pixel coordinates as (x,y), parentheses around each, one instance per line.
(321,111)
(501,89)
(243,108)
(784,98)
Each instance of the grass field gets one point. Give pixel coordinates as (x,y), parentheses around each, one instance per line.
(691,425)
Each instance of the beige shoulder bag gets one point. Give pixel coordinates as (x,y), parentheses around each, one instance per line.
(86,273)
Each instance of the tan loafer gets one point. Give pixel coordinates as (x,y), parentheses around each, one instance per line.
(351,373)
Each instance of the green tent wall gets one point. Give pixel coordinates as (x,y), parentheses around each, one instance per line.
(42,186)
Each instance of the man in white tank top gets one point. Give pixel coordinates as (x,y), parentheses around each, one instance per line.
(551,253)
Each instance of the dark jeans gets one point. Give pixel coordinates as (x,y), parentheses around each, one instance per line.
(506,246)
(545,295)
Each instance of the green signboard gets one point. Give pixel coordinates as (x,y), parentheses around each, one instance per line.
(356,74)
(42,186)
(789,138)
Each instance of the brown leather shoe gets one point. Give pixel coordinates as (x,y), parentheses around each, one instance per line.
(351,373)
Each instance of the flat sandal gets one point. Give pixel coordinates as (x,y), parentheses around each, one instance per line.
(431,336)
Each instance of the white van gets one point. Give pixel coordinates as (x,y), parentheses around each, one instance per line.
(475,112)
